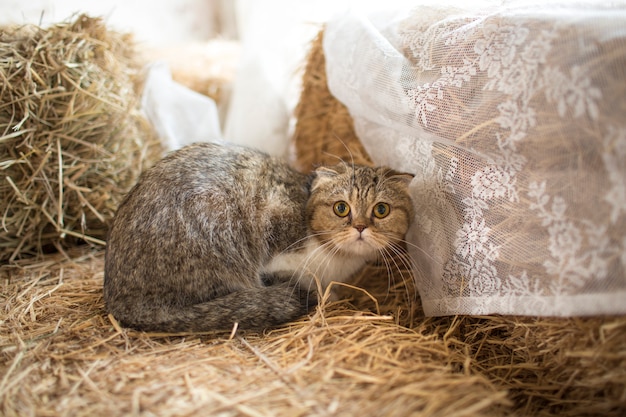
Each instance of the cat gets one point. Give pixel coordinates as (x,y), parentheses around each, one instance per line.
(215,235)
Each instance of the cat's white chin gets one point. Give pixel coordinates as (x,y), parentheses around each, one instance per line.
(360,244)
(360,249)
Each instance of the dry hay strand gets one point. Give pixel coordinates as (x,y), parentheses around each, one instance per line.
(324,131)
(62,355)
(72,141)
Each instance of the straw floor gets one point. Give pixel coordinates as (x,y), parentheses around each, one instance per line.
(62,355)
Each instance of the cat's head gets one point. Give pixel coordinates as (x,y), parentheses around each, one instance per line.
(359,210)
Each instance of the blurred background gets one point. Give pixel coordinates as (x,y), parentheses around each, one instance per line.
(255,49)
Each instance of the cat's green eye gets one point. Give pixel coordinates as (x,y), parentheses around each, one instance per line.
(341,208)
(381,210)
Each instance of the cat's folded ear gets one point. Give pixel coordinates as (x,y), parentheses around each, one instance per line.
(323,175)
(403,178)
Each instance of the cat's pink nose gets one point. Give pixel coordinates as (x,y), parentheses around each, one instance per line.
(360,227)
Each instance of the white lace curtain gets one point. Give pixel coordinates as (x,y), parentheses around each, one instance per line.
(514,122)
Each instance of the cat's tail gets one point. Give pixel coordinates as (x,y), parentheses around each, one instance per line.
(255,308)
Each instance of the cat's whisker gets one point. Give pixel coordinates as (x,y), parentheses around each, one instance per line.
(419,268)
(304,270)
(388,258)
(328,255)
(314,275)
(405,257)
(405,261)
(439,262)
(306,238)
(395,253)
(347,149)
(383,254)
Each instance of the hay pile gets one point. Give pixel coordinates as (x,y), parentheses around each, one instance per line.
(372,355)
(72,141)
(62,355)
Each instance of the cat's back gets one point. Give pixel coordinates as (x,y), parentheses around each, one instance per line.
(206,170)
(205,191)
(201,165)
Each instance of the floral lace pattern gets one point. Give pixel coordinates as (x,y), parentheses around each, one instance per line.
(512,120)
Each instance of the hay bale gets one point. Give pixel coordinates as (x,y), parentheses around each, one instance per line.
(324,131)
(72,141)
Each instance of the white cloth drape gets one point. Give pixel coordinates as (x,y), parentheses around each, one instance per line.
(514,122)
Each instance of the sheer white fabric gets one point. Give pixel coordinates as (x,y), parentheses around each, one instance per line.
(514,122)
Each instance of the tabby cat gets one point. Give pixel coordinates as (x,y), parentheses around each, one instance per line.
(217,235)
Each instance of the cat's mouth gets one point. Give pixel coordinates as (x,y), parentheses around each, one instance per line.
(359,243)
